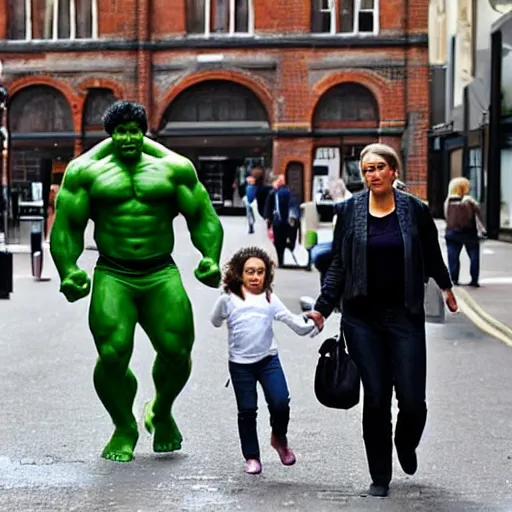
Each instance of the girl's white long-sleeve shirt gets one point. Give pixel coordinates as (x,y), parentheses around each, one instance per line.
(250,332)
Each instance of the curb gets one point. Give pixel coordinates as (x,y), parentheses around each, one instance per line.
(481,319)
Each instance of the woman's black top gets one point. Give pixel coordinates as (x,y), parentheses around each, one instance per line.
(385,260)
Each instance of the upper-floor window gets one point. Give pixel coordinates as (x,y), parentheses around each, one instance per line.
(344,16)
(230,17)
(52,19)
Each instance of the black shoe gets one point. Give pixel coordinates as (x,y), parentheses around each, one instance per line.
(251,230)
(408,461)
(378,491)
(474,285)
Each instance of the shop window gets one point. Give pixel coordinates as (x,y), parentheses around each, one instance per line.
(53,19)
(506,189)
(211,17)
(344,16)
(475,172)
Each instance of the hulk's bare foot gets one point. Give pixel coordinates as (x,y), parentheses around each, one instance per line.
(167,437)
(121,445)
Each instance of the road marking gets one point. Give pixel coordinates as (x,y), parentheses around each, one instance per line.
(481,319)
(496,280)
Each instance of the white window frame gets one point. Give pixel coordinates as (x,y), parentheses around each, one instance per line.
(231,21)
(55,21)
(334,8)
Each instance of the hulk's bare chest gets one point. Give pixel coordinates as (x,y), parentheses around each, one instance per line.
(146,183)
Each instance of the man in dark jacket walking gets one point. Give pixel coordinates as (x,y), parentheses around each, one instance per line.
(282,215)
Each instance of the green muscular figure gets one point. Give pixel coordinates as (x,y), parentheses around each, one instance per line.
(133,188)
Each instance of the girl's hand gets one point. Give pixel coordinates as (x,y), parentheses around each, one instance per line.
(317,318)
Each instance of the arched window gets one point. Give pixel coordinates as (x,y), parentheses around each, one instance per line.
(216,102)
(97,102)
(346,103)
(40,108)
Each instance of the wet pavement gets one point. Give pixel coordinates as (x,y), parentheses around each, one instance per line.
(54,426)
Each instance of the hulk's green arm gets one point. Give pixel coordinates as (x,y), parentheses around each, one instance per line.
(149,147)
(72,214)
(194,204)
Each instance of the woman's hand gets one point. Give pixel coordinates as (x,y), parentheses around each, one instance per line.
(450,300)
(317,318)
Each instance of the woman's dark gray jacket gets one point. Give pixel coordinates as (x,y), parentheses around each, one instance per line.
(347,277)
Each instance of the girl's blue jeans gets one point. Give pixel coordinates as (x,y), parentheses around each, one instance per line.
(269,373)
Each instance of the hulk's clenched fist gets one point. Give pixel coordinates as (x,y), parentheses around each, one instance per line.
(76,285)
(133,188)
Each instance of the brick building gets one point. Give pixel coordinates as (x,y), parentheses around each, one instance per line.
(225,82)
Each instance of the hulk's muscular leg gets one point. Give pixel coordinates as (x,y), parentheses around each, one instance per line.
(166,316)
(112,319)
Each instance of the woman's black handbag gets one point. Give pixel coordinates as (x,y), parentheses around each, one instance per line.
(337,379)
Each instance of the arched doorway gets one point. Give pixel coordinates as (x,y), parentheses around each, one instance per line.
(42,131)
(346,118)
(223,127)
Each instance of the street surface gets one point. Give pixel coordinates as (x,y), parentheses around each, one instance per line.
(54,426)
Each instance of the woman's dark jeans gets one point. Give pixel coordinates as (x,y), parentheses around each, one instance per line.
(454,243)
(388,346)
(269,373)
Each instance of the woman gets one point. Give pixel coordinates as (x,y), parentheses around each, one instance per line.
(384,250)
(464,228)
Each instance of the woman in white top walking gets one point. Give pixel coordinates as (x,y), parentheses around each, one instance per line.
(249,307)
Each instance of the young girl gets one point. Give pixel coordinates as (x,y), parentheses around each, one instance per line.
(249,307)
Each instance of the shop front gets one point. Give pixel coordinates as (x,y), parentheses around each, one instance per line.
(42,143)
(223,128)
(499,182)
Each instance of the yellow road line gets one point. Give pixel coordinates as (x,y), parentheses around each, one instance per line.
(481,319)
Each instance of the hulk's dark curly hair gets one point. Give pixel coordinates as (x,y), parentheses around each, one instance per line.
(124,112)
(234,268)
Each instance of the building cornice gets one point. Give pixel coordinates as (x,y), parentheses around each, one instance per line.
(227,43)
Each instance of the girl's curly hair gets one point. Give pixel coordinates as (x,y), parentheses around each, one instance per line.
(234,268)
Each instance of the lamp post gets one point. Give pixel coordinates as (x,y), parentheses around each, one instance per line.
(6,270)
(4,160)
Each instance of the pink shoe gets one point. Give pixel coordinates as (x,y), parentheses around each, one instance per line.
(285,454)
(253,466)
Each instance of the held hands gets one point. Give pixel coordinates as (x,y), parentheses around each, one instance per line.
(450,300)
(208,272)
(317,318)
(76,285)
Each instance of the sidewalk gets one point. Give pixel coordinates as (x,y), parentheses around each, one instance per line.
(490,306)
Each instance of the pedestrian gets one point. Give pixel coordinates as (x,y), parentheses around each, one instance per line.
(384,251)
(249,307)
(255,190)
(321,254)
(464,228)
(282,216)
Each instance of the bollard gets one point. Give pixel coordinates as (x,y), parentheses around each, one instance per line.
(36,246)
(37,264)
(6,275)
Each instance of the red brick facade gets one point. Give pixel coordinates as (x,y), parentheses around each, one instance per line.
(156,72)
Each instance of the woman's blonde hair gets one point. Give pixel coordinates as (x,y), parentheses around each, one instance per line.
(459,187)
(384,151)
